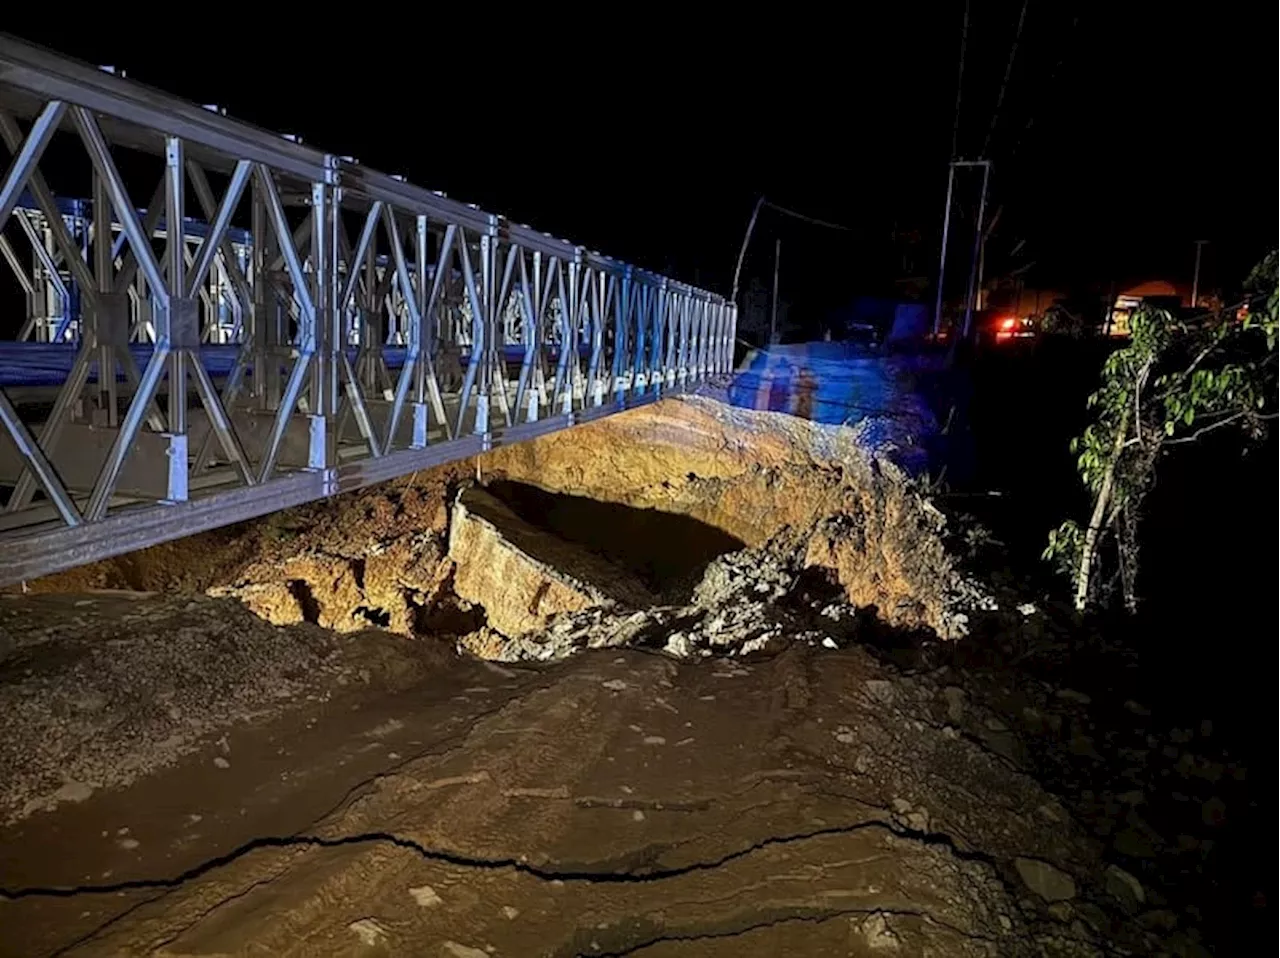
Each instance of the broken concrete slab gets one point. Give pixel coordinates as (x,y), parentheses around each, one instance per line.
(523,576)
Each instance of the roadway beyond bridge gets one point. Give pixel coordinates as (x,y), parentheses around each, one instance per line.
(317,326)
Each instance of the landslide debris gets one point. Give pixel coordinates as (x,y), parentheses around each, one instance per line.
(620,513)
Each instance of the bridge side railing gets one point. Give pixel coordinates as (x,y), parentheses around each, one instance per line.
(373,325)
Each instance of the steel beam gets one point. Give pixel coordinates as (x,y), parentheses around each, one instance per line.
(618,336)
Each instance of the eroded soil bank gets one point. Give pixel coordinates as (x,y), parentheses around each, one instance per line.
(751,702)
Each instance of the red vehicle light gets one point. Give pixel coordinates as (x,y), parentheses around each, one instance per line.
(1008,323)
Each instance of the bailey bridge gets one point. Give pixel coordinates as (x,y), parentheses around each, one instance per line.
(306,326)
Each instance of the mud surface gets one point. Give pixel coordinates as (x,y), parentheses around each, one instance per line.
(809,803)
(99,689)
(753,699)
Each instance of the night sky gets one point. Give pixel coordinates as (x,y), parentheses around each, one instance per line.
(1122,137)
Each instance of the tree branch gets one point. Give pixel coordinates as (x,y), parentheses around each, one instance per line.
(1221,422)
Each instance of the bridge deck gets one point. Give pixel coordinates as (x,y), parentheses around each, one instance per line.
(325,326)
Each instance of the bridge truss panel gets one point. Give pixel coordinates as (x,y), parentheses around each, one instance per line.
(277,324)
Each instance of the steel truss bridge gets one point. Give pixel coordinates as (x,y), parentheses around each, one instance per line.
(306,327)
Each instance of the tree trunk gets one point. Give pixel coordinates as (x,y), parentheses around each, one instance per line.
(1096,522)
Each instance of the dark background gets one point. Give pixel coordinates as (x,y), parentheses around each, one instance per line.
(1125,132)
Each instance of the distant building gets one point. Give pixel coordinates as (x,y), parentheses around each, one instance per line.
(1154,292)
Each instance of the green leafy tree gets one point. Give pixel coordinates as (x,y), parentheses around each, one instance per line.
(1176,381)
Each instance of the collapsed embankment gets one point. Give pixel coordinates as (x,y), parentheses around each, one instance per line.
(688,527)
(624,513)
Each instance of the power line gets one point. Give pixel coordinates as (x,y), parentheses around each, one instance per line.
(964,39)
(808,219)
(1008,71)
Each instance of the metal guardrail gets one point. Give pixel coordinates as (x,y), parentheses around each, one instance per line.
(500,332)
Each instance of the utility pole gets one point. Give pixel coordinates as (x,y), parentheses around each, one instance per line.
(942,256)
(773,314)
(977,246)
(1195,281)
(978,239)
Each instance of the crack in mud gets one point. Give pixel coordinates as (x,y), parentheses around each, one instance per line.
(460,860)
(814,916)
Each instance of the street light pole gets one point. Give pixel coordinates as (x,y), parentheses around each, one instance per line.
(1195,281)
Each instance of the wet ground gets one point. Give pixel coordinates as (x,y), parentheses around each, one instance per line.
(615,804)
(849,790)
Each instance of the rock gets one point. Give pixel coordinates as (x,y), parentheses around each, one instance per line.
(679,645)
(511,914)
(829,643)
(615,685)
(73,792)
(1161,919)
(1131,842)
(1214,812)
(1071,695)
(1124,888)
(1045,880)
(955,703)
(221,762)
(1061,911)
(881,690)
(368,931)
(875,928)
(426,896)
(457,950)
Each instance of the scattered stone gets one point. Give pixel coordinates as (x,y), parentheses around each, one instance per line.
(955,703)
(511,914)
(1123,887)
(1061,911)
(654,740)
(1071,695)
(875,928)
(128,844)
(615,685)
(1160,919)
(221,762)
(637,816)
(458,950)
(1131,842)
(1045,880)
(881,690)
(426,896)
(829,643)
(368,931)
(73,792)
